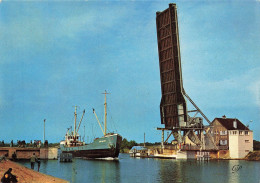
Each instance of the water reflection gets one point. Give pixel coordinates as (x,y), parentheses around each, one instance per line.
(176,170)
(234,171)
(132,170)
(73,171)
(95,170)
(214,171)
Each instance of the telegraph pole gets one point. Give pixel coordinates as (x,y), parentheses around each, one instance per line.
(144,139)
(44,131)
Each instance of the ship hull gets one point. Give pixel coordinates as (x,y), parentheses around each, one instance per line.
(104,147)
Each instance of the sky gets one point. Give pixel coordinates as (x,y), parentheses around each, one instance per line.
(57,55)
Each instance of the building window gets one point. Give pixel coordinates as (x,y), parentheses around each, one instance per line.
(246,141)
(234,132)
(246,133)
(246,150)
(223,142)
(223,132)
(240,132)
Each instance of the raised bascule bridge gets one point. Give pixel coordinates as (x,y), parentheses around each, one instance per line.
(185,125)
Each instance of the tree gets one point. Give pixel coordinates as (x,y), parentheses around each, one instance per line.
(127,145)
(131,144)
(256,145)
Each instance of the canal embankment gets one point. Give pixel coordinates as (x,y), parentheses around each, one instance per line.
(26,175)
(253,156)
(172,152)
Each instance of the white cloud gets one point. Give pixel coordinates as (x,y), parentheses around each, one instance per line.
(255,89)
(240,90)
(92,21)
(32,31)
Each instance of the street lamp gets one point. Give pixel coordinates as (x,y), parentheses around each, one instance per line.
(248,123)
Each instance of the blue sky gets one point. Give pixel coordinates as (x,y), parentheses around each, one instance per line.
(55,55)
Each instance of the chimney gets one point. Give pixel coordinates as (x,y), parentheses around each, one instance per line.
(235,123)
(224,117)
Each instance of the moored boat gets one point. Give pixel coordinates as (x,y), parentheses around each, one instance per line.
(139,151)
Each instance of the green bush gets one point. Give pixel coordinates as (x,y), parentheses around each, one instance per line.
(256,145)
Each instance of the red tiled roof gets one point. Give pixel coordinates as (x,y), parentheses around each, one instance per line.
(228,123)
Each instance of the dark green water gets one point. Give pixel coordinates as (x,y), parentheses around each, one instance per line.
(134,170)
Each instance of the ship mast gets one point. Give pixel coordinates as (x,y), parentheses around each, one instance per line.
(81,120)
(75,122)
(105,112)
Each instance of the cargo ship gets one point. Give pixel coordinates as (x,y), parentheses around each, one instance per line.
(104,147)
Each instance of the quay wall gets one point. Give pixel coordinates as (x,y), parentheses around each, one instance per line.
(27,152)
(188,153)
(49,153)
(3,152)
(220,154)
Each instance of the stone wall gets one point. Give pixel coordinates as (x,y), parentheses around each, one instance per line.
(3,152)
(49,153)
(26,153)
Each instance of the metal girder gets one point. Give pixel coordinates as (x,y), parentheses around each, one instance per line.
(193,103)
(168,137)
(183,138)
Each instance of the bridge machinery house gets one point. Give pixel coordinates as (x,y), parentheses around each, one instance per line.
(231,134)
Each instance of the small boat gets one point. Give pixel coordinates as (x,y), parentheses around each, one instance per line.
(138,151)
(105,147)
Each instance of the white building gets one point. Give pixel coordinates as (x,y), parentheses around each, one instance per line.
(240,143)
(231,134)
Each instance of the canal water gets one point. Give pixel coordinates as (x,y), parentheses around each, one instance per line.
(134,170)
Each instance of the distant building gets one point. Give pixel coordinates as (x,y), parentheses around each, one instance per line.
(231,134)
